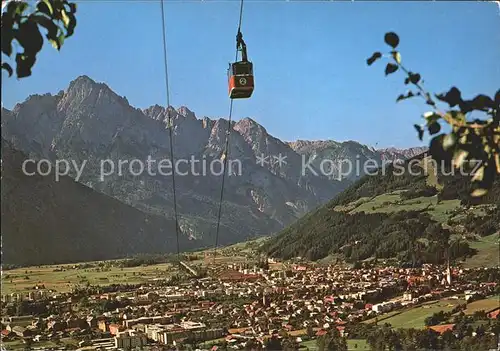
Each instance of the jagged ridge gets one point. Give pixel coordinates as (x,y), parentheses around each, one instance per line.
(89,122)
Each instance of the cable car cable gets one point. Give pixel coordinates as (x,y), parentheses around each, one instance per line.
(170,125)
(226,156)
(239,23)
(226,150)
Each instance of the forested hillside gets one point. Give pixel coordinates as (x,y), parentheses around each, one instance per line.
(395,215)
(46,221)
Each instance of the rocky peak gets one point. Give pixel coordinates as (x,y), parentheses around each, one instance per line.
(159,113)
(81,82)
(393,153)
(252,132)
(207,123)
(307,146)
(85,91)
(248,125)
(5,111)
(219,129)
(154,112)
(186,112)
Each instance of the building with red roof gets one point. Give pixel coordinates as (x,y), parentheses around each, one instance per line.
(442,328)
(494,314)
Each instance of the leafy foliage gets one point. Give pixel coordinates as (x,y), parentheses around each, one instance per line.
(469,141)
(22,24)
(332,341)
(466,334)
(456,186)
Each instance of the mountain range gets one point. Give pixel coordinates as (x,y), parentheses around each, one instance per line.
(273,182)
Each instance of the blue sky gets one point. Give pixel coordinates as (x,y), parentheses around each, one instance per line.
(311,77)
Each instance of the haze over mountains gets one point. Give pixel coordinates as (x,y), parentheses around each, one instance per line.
(88,122)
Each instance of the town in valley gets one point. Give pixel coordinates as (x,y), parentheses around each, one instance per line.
(240,300)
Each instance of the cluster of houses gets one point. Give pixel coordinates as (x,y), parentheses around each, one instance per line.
(237,303)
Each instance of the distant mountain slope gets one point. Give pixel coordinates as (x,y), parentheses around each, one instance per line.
(44,221)
(411,218)
(90,122)
(338,155)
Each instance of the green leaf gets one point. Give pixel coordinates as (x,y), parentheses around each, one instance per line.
(479,192)
(431,117)
(429,101)
(10,12)
(436,150)
(408,95)
(414,77)
(434,128)
(15,9)
(463,139)
(390,68)
(396,56)
(478,175)
(57,5)
(54,43)
(391,39)
(51,27)
(71,25)
(65,18)
(45,6)
(7,67)
(373,58)
(457,115)
(29,37)
(453,97)
(7,36)
(61,40)
(449,140)
(482,102)
(24,64)
(459,157)
(58,42)
(419,130)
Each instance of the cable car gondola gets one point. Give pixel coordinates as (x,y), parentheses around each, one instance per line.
(240,73)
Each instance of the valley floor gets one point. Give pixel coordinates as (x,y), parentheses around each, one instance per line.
(236,297)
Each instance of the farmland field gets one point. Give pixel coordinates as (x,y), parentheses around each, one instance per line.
(381,317)
(392,202)
(63,277)
(415,317)
(486,305)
